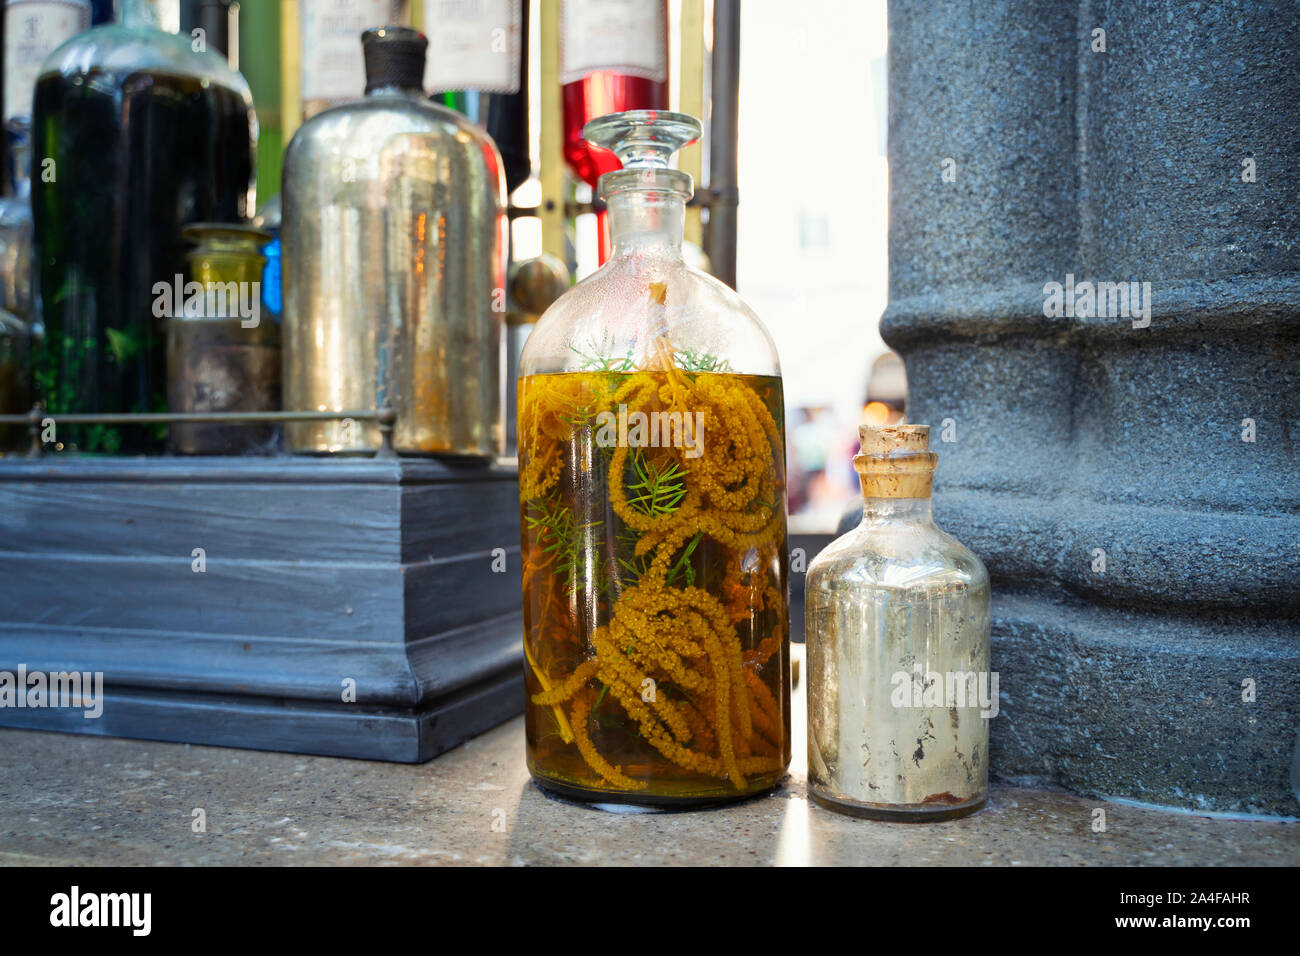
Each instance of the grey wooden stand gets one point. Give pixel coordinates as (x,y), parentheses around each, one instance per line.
(351,607)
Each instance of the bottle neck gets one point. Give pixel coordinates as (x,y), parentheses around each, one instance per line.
(20,173)
(396,89)
(644,220)
(163,14)
(906,510)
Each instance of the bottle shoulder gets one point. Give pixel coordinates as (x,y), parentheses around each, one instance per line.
(392,114)
(896,555)
(635,301)
(123,51)
(362,128)
(367,128)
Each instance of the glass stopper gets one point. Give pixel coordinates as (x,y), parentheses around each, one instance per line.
(643,139)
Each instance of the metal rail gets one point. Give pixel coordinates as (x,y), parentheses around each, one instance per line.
(35,419)
(724,132)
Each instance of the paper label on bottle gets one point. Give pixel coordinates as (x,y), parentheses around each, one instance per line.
(333,67)
(621,36)
(33,30)
(474,45)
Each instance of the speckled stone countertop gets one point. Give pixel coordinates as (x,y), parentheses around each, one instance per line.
(70,800)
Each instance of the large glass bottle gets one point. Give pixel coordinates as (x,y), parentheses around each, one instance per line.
(652,492)
(135,135)
(394,267)
(899,688)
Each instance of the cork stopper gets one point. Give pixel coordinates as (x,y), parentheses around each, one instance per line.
(394,58)
(895,461)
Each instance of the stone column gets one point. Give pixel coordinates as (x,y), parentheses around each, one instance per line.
(1130,479)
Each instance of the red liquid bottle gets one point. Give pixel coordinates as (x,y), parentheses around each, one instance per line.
(613,58)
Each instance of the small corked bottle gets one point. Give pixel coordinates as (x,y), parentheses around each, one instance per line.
(899,687)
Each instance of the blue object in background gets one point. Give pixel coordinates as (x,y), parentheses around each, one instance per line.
(101,11)
(272,288)
(268,218)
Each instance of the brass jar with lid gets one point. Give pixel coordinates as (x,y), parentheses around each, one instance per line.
(222,355)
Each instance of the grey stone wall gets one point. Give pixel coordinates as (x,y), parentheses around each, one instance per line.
(1145,552)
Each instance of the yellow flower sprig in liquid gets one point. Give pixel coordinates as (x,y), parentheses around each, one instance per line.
(681,679)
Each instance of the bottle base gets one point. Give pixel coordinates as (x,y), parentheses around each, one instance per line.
(616,802)
(900,813)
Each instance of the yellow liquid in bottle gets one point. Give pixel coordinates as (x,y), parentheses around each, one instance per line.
(654,583)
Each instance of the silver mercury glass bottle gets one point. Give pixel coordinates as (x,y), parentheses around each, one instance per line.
(899,688)
(393,237)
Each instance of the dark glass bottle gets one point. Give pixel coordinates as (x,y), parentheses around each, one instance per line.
(135,135)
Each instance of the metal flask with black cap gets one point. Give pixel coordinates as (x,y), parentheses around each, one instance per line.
(394,245)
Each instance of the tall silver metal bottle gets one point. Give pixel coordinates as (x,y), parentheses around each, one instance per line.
(394,267)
